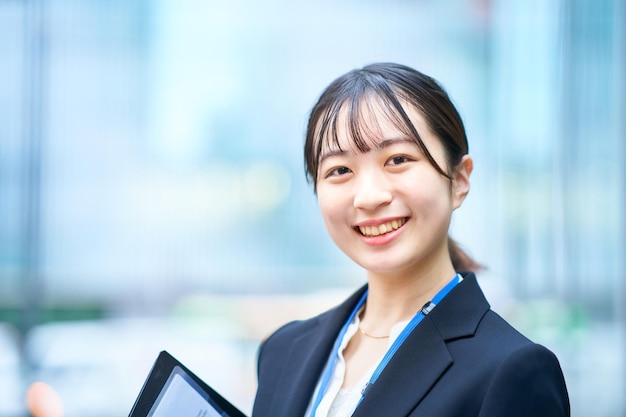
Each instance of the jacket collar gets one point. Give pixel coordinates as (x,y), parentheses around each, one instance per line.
(424,356)
(410,374)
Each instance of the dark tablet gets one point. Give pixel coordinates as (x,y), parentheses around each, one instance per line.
(172,390)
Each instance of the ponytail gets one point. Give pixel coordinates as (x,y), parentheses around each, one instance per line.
(461,261)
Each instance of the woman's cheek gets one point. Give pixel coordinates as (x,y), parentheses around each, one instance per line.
(328,197)
(333,210)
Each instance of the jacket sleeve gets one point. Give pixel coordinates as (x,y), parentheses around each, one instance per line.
(528,383)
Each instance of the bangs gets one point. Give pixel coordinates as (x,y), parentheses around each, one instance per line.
(361,114)
(361,118)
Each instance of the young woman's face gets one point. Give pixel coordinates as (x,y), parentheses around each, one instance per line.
(388,208)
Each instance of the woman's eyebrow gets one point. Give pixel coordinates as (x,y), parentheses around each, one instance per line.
(331,153)
(385,143)
(393,141)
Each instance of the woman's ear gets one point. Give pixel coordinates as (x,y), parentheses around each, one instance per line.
(461,180)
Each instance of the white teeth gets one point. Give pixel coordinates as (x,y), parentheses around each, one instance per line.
(381,229)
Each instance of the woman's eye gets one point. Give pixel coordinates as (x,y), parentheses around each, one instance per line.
(399,160)
(338,171)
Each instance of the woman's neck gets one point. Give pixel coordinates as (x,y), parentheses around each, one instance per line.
(392,299)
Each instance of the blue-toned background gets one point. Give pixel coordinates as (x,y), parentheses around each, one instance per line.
(152,189)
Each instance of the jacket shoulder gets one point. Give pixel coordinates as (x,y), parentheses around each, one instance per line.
(529,381)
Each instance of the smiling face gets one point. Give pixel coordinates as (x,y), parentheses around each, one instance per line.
(384,203)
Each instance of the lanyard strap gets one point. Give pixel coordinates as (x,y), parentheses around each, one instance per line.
(390,352)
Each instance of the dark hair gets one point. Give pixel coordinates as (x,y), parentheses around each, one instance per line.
(390,85)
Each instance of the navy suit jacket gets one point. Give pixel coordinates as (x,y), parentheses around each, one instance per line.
(462,360)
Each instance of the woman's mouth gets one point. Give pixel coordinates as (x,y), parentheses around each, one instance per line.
(381,229)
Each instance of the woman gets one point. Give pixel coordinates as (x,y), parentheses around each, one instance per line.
(387,154)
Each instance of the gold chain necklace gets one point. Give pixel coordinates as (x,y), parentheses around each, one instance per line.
(364,333)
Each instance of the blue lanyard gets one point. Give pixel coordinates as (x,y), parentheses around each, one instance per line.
(390,352)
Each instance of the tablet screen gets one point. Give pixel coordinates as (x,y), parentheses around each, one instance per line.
(181,396)
(172,390)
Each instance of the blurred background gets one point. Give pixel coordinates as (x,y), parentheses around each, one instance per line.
(152,189)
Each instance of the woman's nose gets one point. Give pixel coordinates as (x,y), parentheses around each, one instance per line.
(371,191)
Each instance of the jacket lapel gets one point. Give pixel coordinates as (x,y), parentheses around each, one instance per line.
(307,359)
(415,367)
(424,356)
